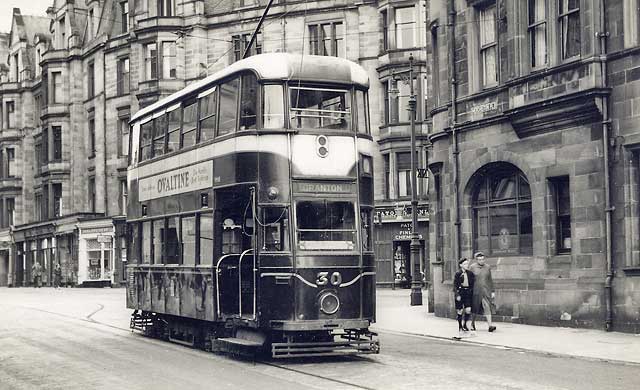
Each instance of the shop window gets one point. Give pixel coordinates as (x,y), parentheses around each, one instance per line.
(563,214)
(537,28)
(327,39)
(502,212)
(569,25)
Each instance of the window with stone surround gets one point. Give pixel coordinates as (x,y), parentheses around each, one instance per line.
(169,68)
(387,176)
(58,88)
(92,136)
(10,114)
(405,24)
(166,7)
(11,162)
(631,15)
(91,198)
(385,29)
(488,45)
(57,199)
(502,218)
(57,143)
(123,76)
(10,207)
(569,25)
(38,206)
(537,32)
(123,134)
(562,203)
(240,43)
(327,39)
(124,16)
(91,82)
(403,174)
(122,196)
(151,61)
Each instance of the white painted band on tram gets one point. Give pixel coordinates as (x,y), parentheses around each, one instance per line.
(289,274)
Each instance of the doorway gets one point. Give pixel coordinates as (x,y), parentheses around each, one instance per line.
(402,264)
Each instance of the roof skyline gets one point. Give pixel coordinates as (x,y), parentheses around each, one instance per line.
(27,8)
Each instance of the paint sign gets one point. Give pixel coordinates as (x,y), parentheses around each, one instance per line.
(177,181)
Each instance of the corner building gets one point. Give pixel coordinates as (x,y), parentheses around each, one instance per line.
(534,156)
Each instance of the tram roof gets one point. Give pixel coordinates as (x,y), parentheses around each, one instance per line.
(276,66)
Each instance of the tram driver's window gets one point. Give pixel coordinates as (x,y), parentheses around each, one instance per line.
(248,102)
(320,108)
(275,222)
(273,107)
(326,225)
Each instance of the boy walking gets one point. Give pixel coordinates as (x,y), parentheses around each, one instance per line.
(463,282)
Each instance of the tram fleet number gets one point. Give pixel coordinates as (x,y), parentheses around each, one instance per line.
(323,279)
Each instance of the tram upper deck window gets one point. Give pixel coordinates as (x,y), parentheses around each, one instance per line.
(146,141)
(362,105)
(273,107)
(207,115)
(228,106)
(189,123)
(326,225)
(320,108)
(248,102)
(275,223)
(159,128)
(173,133)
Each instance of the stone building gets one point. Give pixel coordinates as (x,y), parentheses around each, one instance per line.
(93,63)
(535,156)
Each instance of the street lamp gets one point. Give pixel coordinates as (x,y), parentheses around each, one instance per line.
(416,279)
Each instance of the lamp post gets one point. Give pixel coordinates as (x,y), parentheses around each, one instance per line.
(416,280)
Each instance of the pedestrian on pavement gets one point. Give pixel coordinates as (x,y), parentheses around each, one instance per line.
(36,271)
(483,293)
(57,275)
(463,282)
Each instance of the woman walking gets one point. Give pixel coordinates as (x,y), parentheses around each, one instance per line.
(483,293)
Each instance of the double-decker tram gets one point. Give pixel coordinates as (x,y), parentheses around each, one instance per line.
(249,210)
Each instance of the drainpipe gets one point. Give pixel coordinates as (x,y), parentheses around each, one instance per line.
(451,15)
(602,35)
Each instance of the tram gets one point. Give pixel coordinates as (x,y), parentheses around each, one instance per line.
(249,210)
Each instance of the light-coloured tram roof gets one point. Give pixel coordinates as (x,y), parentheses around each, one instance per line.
(277,66)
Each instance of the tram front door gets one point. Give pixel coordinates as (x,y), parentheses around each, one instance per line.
(236,258)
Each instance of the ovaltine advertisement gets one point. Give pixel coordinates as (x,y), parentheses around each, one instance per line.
(195,177)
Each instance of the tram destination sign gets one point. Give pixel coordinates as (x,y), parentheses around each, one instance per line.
(177,181)
(324,188)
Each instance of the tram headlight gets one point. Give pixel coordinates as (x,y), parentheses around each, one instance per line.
(322,146)
(329,302)
(272,193)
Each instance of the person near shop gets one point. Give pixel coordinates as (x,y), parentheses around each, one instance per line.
(57,275)
(36,271)
(483,293)
(463,282)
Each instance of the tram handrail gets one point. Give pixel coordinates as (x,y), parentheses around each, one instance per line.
(220,260)
(240,282)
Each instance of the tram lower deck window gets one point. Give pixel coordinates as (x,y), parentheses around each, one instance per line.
(325,225)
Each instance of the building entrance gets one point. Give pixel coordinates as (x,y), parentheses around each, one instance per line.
(401,264)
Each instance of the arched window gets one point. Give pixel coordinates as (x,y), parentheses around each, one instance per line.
(502,212)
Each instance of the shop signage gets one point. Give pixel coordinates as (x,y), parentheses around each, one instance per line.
(94,262)
(400,213)
(98,230)
(324,188)
(105,239)
(405,232)
(177,181)
(485,107)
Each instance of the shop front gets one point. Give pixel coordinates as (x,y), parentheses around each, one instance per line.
(393,244)
(5,258)
(95,252)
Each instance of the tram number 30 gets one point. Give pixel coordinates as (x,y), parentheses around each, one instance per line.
(323,279)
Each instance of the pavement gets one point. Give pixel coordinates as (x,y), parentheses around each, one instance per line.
(395,314)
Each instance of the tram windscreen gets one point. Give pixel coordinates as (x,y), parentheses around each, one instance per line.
(320,108)
(326,225)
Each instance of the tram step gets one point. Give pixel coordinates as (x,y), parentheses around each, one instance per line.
(236,346)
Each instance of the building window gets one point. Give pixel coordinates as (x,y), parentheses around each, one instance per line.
(57,199)
(124,16)
(123,81)
(563,214)
(62,33)
(166,7)
(399,93)
(538,33)
(10,118)
(387,177)
(123,135)
(502,223)
(91,85)
(10,208)
(488,45)
(90,23)
(122,198)
(56,83)
(569,24)
(38,154)
(45,145)
(57,143)
(240,43)
(92,194)
(327,39)
(92,137)
(385,30)
(405,27)
(403,174)
(435,66)
(631,13)
(37,102)
(151,61)
(168,60)
(11,162)
(38,206)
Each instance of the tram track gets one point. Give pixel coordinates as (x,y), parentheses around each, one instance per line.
(343,384)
